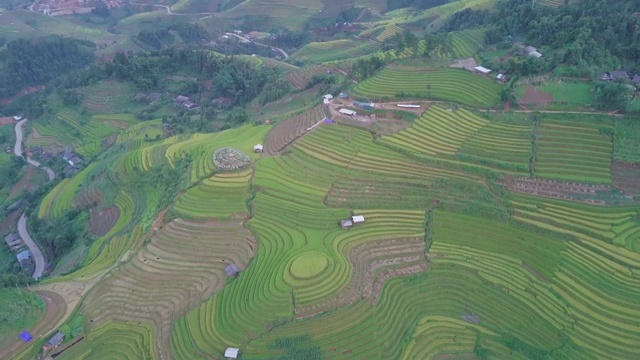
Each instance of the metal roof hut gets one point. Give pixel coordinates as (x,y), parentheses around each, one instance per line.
(24,258)
(328,121)
(231,353)
(258,148)
(54,341)
(357,219)
(232,270)
(25,336)
(346,223)
(13,240)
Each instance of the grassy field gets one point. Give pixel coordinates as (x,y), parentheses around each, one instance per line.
(446,84)
(19,311)
(573,93)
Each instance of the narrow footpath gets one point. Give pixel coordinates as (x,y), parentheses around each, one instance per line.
(22,223)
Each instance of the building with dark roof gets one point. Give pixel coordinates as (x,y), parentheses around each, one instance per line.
(24,258)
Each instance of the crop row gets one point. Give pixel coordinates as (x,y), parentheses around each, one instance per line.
(334,50)
(182,265)
(448,84)
(221,196)
(127,209)
(108,97)
(289,130)
(444,133)
(465,43)
(115,340)
(301,77)
(586,152)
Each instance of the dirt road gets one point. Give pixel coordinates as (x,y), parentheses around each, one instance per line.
(33,247)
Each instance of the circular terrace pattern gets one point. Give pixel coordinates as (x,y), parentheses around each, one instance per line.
(227,158)
(308,265)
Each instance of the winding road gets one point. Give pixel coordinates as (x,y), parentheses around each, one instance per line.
(247,40)
(22,223)
(168,8)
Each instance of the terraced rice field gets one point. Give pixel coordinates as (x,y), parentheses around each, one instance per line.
(466,42)
(287,131)
(320,52)
(463,135)
(585,147)
(108,97)
(301,77)
(448,263)
(182,265)
(448,84)
(222,196)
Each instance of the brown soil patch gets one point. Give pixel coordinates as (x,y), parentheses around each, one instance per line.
(56,309)
(103,220)
(6,120)
(572,191)
(626,177)
(32,178)
(533,96)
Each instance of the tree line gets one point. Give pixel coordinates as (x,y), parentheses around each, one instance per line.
(25,63)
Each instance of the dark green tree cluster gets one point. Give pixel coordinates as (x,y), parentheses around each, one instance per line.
(365,68)
(231,78)
(418,4)
(600,33)
(190,33)
(58,235)
(25,63)
(156,39)
(613,95)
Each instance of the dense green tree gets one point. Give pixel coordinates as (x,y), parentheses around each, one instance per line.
(613,95)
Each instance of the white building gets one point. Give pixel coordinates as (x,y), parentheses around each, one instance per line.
(231,353)
(258,148)
(348,112)
(413,106)
(328,97)
(357,219)
(482,70)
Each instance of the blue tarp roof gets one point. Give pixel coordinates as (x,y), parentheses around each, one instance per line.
(25,336)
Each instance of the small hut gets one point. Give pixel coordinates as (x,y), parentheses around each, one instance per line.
(258,148)
(231,353)
(232,270)
(357,219)
(346,223)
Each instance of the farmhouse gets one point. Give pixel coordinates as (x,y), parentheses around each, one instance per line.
(189,105)
(258,148)
(617,75)
(502,77)
(24,258)
(482,70)
(531,51)
(348,112)
(328,97)
(181,99)
(231,353)
(54,341)
(71,158)
(13,241)
(343,95)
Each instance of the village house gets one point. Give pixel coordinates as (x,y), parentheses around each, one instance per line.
(71,158)
(618,75)
(54,341)
(17,118)
(531,51)
(13,241)
(185,101)
(24,258)
(502,76)
(258,148)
